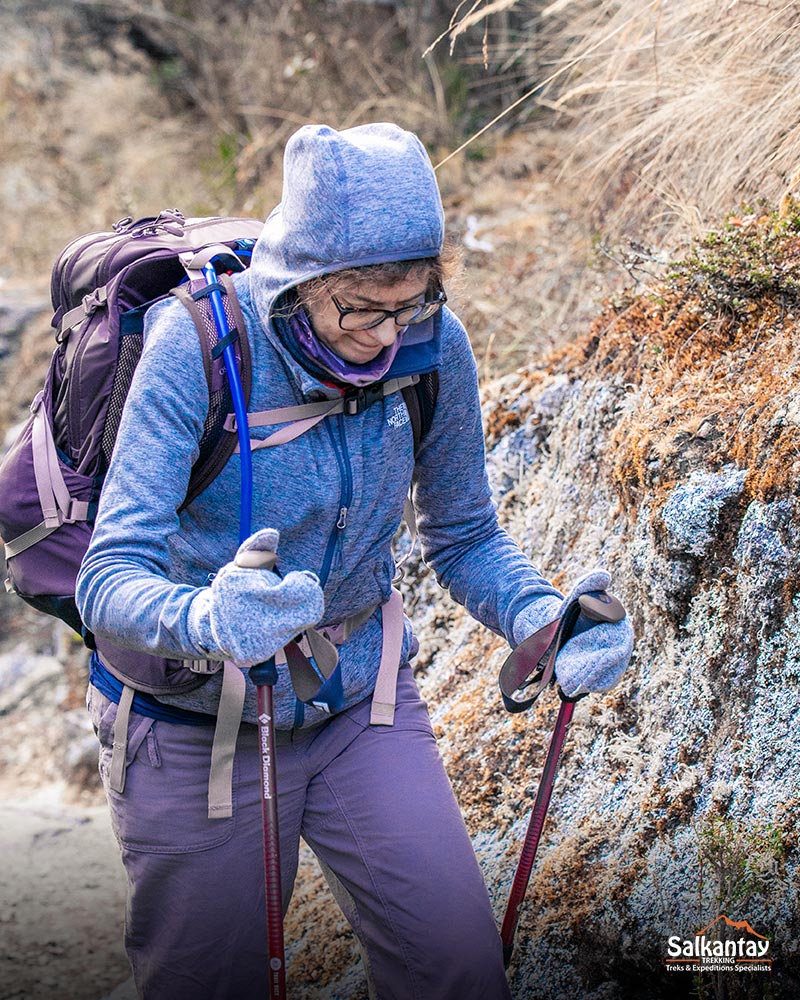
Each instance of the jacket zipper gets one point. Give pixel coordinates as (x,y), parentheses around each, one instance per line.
(345,497)
(335,537)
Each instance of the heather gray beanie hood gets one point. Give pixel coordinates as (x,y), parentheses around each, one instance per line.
(366,195)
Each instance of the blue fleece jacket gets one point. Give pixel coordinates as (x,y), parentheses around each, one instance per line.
(356,197)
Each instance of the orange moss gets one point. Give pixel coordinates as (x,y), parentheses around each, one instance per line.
(501,418)
(495,778)
(575,880)
(706,379)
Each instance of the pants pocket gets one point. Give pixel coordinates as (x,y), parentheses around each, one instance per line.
(164,807)
(142,743)
(411,711)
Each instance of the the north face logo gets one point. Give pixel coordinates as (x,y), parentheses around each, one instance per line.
(398,417)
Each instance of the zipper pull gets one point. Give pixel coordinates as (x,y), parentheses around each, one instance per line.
(341,524)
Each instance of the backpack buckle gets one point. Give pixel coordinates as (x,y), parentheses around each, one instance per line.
(89,305)
(94,301)
(206,667)
(356,401)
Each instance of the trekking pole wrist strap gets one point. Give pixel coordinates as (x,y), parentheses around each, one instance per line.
(531,666)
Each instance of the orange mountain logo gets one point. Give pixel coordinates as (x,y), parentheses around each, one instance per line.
(723,945)
(738,925)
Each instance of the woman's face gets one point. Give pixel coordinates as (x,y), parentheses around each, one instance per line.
(361,346)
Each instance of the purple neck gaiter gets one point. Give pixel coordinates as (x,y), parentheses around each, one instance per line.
(341,370)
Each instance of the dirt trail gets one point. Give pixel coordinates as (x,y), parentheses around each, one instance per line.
(62,900)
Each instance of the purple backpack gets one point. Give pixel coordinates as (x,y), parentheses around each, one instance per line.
(102,286)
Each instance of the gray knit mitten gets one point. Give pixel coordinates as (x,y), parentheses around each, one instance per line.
(247,614)
(593,660)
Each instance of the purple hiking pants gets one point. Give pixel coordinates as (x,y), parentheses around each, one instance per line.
(374,804)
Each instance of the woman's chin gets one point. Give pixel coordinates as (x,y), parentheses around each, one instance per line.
(360,356)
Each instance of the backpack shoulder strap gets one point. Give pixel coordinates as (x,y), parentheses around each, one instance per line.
(217,444)
(420,400)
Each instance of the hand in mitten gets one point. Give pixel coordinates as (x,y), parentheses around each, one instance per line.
(594,659)
(547,608)
(247,614)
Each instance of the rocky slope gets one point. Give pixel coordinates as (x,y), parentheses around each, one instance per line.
(665,446)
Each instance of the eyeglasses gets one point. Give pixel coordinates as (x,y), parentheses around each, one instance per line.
(366,319)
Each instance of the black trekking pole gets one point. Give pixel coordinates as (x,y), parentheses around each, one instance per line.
(265,676)
(516,675)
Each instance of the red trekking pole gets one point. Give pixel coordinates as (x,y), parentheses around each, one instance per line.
(534,832)
(265,676)
(522,668)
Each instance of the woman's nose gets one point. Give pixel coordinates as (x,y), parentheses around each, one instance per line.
(386,332)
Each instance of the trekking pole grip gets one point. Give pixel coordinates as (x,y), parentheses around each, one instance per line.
(262,673)
(597,607)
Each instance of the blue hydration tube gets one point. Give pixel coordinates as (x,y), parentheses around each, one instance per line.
(330,696)
(239,405)
(263,675)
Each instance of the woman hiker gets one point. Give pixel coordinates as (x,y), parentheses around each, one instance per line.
(345,291)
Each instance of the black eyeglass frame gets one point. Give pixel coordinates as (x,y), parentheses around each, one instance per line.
(419,312)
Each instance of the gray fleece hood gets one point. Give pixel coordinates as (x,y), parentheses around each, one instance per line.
(366,195)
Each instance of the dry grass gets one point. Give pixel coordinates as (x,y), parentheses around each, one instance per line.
(679,111)
(83,145)
(660,118)
(542,280)
(110,109)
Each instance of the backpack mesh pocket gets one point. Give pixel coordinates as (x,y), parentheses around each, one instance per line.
(130,350)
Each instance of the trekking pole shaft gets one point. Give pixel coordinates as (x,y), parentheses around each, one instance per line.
(265,677)
(594,607)
(534,831)
(272,864)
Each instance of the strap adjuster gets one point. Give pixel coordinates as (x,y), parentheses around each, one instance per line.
(356,401)
(206,667)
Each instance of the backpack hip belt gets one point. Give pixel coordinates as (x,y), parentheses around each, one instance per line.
(231,702)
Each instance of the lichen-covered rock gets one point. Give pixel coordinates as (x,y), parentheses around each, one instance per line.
(692,511)
(767,555)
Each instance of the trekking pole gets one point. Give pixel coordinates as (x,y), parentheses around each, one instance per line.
(263,675)
(589,609)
